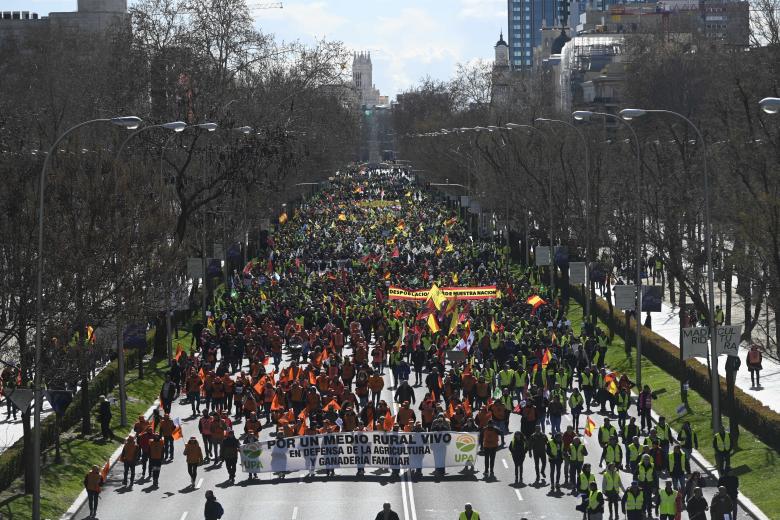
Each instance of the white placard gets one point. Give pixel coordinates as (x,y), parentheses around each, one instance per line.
(625,296)
(727,339)
(577,273)
(542,254)
(694,343)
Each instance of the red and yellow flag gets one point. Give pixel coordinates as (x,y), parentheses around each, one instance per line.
(590,427)
(546,358)
(433,324)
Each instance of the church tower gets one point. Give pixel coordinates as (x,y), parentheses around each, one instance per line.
(362,79)
(502,53)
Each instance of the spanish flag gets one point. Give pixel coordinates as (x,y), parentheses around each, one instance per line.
(546,358)
(493,326)
(535,301)
(590,427)
(454,323)
(433,324)
(436,296)
(90,334)
(609,383)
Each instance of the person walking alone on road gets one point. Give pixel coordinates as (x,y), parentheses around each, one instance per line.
(194,456)
(386,513)
(213,509)
(697,506)
(92,483)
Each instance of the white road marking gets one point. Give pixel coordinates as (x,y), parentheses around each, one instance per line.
(404,499)
(200,483)
(412,509)
(519,496)
(183,515)
(295,513)
(503,461)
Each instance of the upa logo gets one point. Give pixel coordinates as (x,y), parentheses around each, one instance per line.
(252,459)
(466,446)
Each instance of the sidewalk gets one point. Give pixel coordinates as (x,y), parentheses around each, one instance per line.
(667,325)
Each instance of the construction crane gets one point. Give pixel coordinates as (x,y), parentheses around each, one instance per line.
(265,5)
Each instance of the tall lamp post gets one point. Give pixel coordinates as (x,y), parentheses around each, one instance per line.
(585,115)
(632,113)
(512,126)
(175,126)
(130,123)
(586,150)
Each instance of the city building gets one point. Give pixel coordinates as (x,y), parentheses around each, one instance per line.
(501,74)
(362,81)
(90,16)
(526,18)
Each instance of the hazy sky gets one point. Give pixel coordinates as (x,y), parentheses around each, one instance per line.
(408,39)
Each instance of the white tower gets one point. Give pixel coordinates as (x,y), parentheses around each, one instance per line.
(502,53)
(362,79)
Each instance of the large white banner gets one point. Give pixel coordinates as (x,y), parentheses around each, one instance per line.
(625,297)
(387,450)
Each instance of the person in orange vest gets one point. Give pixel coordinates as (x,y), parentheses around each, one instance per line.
(92,483)
(166,431)
(489,441)
(156,451)
(129,457)
(194,456)
(754,359)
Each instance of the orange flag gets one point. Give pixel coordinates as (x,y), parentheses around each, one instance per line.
(275,404)
(333,404)
(450,410)
(302,429)
(312,378)
(104,471)
(467,406)
(389,421)
(179,351)
(370,417)
(177,433)
(260,385)
(202,374)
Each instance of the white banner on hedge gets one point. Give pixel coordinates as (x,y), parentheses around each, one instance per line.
(387,450)
(694,342)
(727,339)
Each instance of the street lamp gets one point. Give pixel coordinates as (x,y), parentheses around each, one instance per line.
(512,126)
(631,113)
(130,123)
(586,115)
(244,130)
(585,147)
(770,105)
(174,126)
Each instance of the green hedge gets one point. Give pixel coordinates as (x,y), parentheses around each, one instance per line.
(12,464)
(753,415)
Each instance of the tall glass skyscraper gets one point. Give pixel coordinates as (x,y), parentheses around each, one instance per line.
(526,18)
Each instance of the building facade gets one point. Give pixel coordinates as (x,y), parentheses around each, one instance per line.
(91,16)
(526,19)
(363,81)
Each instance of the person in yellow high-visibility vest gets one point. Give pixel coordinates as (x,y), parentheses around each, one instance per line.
(468,513)
(612,485)
(633,502)
(722,445)
(595,502)
(667,502)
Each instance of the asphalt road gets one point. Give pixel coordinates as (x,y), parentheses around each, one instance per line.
(344,496)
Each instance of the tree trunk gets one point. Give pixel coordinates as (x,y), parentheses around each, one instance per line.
(160,338)
(744,290)
(671,287)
